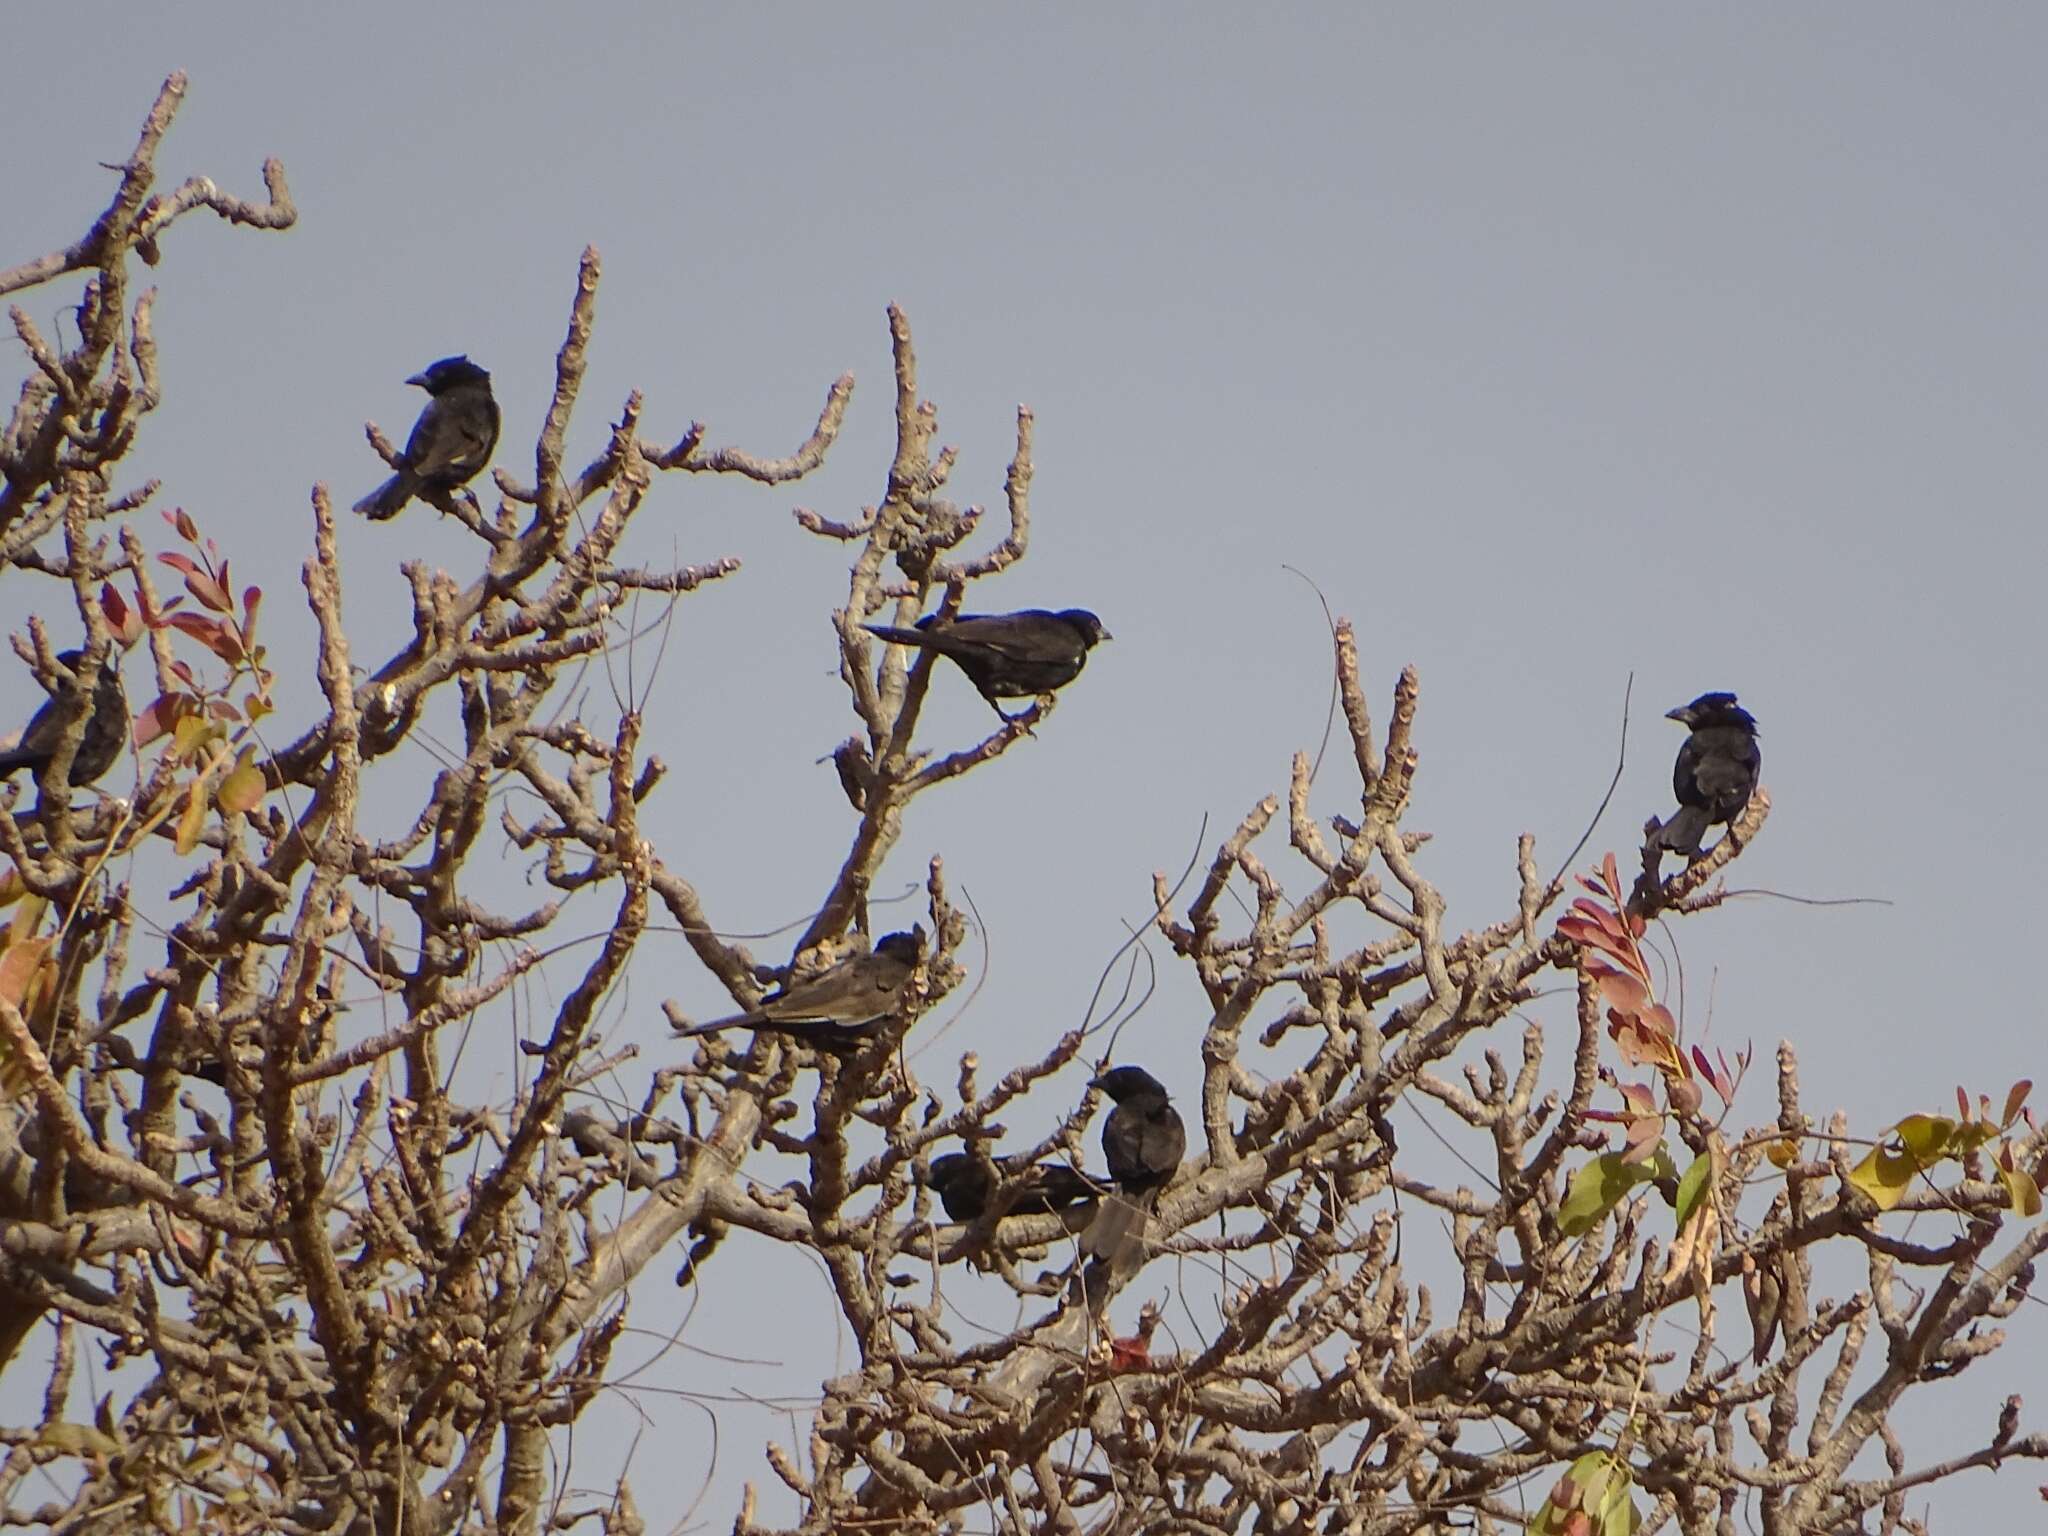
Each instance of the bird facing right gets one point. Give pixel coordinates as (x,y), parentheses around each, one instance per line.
(1716,771)
(450,442)
(1144,1140)
(106,726)
(833,1009)
(1007,655)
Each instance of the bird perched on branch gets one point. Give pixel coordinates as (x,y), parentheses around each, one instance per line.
(1144,1140)
(105,731)
(964,1187)
(1007,655)
(833,1008)
(450,442)
(1716,770)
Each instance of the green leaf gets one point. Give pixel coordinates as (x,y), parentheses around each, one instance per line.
(1693,1185)
(1596,1188)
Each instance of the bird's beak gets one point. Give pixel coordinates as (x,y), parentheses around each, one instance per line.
(419,378)
(1107,635)
(1681,714)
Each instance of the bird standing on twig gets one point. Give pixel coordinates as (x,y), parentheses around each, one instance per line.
(833,1008)
(1144,1140)
(1007,655)
(450,442)
(103,736)
(1716,770)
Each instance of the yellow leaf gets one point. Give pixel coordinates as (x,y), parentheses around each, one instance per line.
(1927,1137)
(2025,1193)
(1783,1152)
(241,790)
(1883,1175)
(187,735)
(11,888)
(193,820)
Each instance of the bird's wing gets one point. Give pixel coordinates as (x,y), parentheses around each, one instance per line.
(862,988)
(1018,637)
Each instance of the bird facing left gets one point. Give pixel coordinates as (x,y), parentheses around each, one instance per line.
(103,736)
(450,442)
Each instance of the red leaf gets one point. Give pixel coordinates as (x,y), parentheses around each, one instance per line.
(183,673)
(251,597)
(1612,874)
(2015,1099)
(1639,1143)
(1641,1098)
(1592,936)
(112,606)
(1601,915)
(1684,1095)
(209,592)
(211,633)
(187,529)
(1718,1075)
(159,716)
(177,562)
(1130,1354)
(1621,989)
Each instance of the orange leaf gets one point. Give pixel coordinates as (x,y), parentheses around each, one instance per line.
(18,966)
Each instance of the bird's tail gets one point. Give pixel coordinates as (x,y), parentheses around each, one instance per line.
(896,636)
(737,1021)
(388,500)
(1684,832)
(1117,1234)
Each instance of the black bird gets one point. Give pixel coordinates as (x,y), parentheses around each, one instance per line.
(1144,1141)
(1007,655)
(106,726)
(1716,770)
(450,442)
(963,1186)
(833,1008)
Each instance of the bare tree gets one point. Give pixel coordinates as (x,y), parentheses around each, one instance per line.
(361,1299)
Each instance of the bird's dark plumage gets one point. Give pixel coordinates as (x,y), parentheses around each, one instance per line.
(1716,770)
(450,442)
(1007,655)
(105,733)
(963,1186)
(1144,1140)
(834,1007)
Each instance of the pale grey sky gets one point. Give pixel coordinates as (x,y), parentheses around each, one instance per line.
(1555,343)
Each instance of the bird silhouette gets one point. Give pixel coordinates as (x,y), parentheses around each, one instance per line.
(1716,770)
(103,736)
(450,442)
(1007,655)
